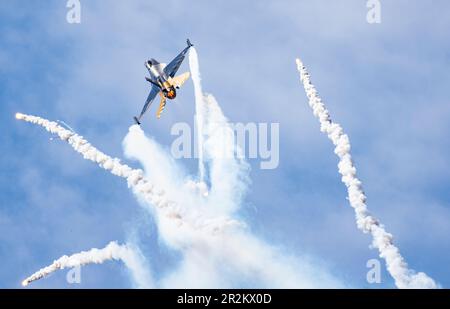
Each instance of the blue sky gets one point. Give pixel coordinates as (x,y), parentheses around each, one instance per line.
(386,84)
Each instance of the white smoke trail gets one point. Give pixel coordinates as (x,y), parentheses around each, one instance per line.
(396,265)
(210,259)
(239,259)
(167,211)
(213,255)
(134,177)
(160,167)
(199,109)
(230,254)
(228,169)
(235,257)
(113,251)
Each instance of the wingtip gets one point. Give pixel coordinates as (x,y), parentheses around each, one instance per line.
(189,43)
(137,121)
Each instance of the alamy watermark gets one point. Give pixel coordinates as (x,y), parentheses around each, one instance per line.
(374,14)
(233,140)
(73,276)
(374,273)
(73,15)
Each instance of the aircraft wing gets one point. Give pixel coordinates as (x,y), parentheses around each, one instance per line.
(151,96)
(172,68)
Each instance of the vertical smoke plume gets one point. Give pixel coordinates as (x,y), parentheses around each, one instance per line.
(228,170)
(212,255)
(199,109)
(113,251)
(396,265)
(236,256)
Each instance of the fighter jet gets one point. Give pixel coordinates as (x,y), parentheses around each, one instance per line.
(164,82)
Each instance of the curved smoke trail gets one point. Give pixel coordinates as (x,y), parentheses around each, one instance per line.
(166,209)
(134,177)
(396,265)
(112,251)
(216,144)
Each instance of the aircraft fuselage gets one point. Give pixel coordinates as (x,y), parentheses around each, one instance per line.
(159,79)
(164,81)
